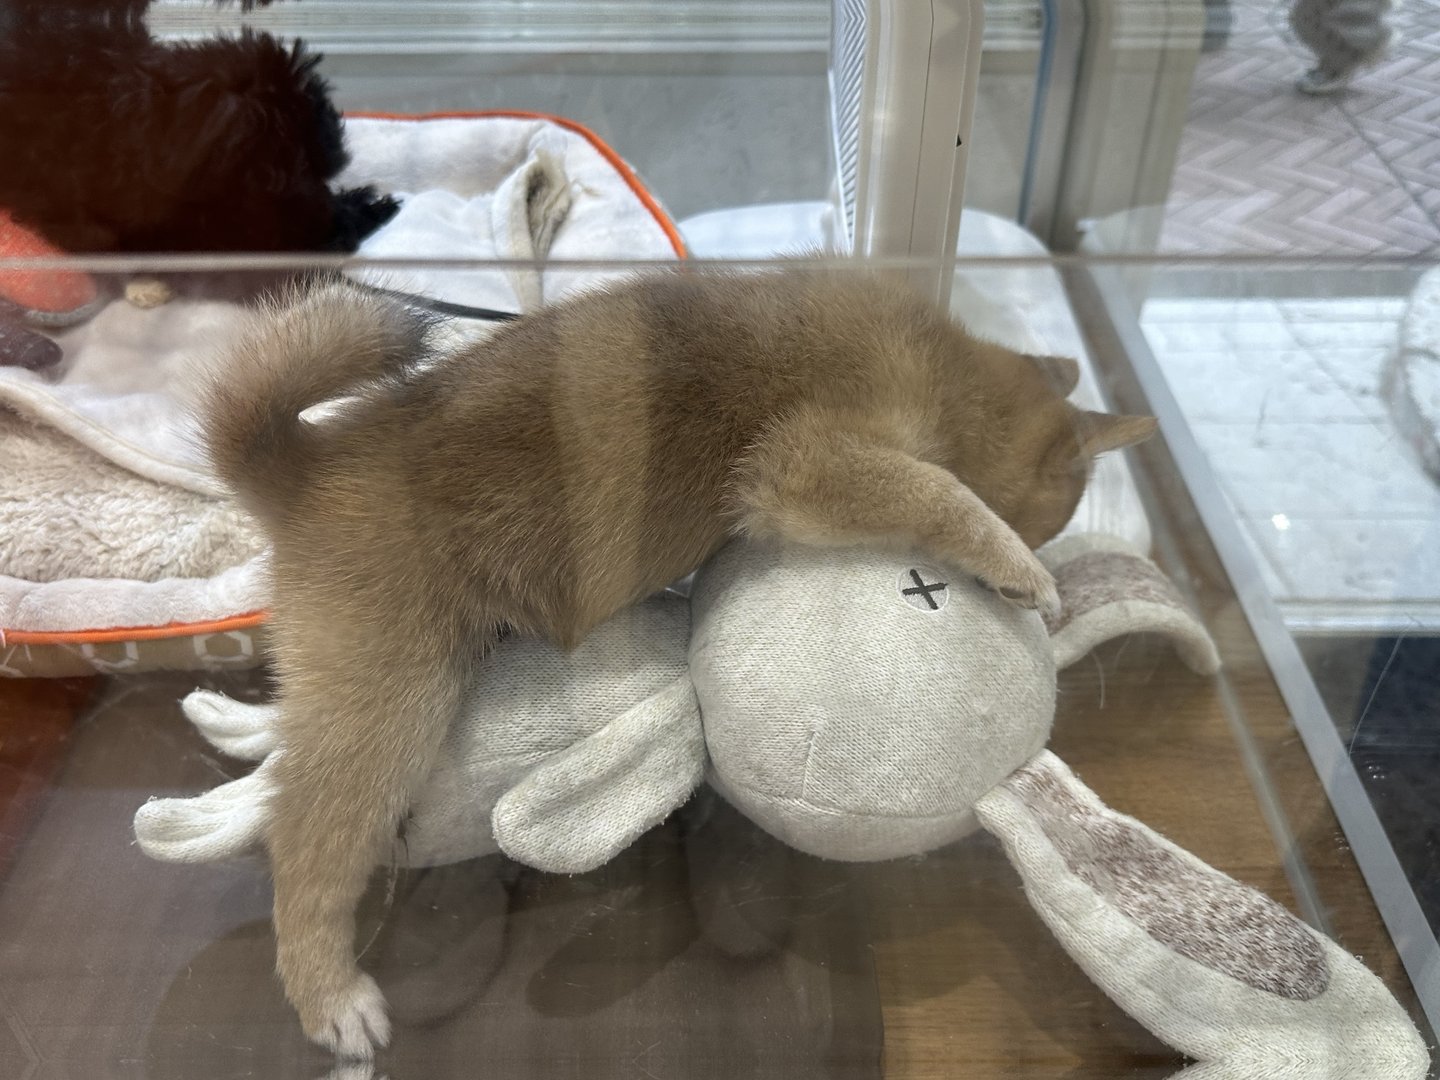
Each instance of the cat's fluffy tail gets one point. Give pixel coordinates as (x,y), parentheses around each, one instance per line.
(307,348)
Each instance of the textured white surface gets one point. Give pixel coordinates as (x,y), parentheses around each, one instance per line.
(1284,398)
(848,722)
(1413,383)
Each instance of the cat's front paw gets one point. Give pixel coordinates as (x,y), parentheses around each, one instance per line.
(1022,579)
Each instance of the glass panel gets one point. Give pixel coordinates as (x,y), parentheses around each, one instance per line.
(1295,389)
(706,947)
(784,831)
(1004,110)
(718,103)
(1300,390)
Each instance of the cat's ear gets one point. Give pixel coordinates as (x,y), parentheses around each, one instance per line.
(1062,371)
(1100,432)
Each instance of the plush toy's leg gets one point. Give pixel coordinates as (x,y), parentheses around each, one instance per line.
(1212,967)
(248,732)
(226,821)
(813,484)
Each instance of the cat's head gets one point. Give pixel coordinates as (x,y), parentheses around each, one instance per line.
(1040,449)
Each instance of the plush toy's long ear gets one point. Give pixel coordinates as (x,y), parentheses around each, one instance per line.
(224,822)
(575,811)
(248,732)
(1214,968)
(1108,589)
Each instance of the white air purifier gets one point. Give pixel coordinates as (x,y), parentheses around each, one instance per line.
(903,78)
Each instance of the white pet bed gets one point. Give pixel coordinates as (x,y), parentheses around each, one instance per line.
(102,484)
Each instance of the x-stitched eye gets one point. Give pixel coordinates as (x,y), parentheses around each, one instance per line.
(922,589)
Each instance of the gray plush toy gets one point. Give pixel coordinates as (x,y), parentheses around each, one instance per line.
(861,706)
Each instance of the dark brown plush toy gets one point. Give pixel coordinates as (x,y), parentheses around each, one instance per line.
(114,141)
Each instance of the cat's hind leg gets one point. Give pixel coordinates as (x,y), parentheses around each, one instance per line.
(363,711)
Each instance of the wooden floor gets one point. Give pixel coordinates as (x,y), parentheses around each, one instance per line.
(981,983)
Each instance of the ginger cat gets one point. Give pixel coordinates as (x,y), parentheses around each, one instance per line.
(576,461)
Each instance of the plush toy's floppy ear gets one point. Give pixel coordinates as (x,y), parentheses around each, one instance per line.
(1217,970)
(1108,589)
(577,810)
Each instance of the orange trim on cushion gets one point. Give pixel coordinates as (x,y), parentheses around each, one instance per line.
(616,161)
(255,618)
(133,633)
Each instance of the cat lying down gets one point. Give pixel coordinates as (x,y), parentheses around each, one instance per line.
(578,460)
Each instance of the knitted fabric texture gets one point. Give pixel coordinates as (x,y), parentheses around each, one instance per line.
(1303,1009)
(845,717)
(862,706)
(855,705)
(590,746)
(1185,906)
(1108,589)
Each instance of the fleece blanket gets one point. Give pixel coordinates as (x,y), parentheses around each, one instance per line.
(118,550)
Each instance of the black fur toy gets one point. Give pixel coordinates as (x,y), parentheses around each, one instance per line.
(113,141)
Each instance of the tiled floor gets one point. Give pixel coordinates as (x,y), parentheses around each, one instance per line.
(1264,168)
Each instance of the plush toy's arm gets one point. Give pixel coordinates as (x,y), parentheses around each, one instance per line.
(1212,967)
(577,810)
(1108,589)
(248,732)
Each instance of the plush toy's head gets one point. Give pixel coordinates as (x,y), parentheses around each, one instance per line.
(857,704)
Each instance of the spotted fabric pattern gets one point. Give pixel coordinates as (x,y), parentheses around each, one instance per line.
(1197,911)
(1097,578)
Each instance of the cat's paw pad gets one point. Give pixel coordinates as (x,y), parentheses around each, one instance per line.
(352,1023)
(1028,584)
